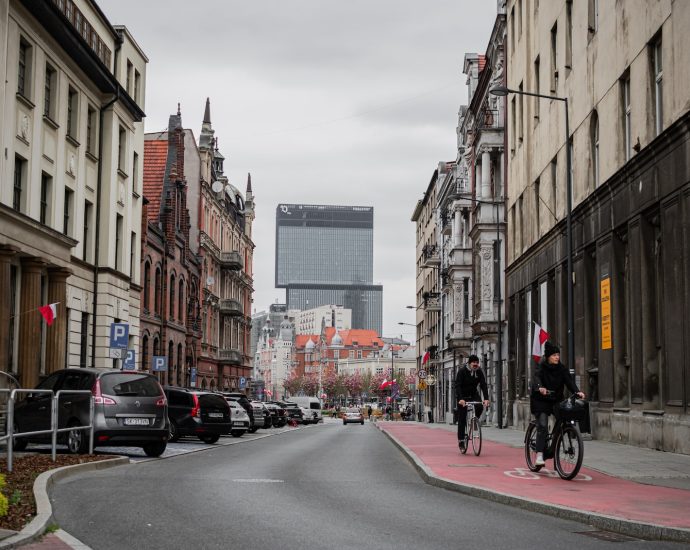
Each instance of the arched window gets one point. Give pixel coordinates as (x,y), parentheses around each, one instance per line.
(594,136)
(158,290)
(171,302)
(147,286)
(180,297)
(145,352)
(180,361)
(171,361)
(156,346)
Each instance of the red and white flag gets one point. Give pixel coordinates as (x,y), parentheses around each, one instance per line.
(426,358)
(540,336)
(384,384)
(49,312)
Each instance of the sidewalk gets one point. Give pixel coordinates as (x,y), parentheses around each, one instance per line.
(620,488)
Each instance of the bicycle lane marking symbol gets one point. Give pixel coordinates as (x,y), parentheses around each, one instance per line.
(525,473)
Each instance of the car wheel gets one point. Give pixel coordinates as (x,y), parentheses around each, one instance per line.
(210,439)
(155,449)
(237,433)
(77,440)
(174,432)
(19,444)
(253,429)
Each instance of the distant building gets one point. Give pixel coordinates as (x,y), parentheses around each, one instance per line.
(325,255)
(311,320)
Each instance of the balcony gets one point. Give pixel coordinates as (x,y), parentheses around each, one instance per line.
(229,356)
(460,257)
(432,301)
(231,260)
(446,223)
(489,119)
(430,256)
(231,308)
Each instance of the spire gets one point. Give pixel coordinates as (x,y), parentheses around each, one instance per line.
(207,112)
(178,109)
(249,182)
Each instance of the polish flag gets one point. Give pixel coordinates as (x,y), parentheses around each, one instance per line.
(384,384)
(426,358)
(49,312)
(540,336)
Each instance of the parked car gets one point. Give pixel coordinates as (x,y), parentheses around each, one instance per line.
(256,413)
(353,414)
(294,411)
(278,414)
(308,416)
(283,415)
(311,403)
(265,411)
(239,417)
(200,413)
(130,410)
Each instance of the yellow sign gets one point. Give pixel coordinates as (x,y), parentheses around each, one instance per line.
(421,385)
(606,313)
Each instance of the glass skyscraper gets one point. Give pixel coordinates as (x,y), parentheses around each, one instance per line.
(325,255)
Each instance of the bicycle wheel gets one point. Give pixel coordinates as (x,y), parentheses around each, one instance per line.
(569,452)
(468,436)
(531,448)
(476,436)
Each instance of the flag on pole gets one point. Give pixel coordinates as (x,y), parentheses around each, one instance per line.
(384,384)
(426,358)
(49,312)
(540,336)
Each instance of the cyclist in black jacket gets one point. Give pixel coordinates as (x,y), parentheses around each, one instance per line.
(467,382)
(550,378)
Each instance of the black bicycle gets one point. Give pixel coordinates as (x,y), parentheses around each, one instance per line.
(563,443)
(473,429)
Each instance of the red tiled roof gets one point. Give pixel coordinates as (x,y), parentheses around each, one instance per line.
(302,339)
(363,337)
(155,157)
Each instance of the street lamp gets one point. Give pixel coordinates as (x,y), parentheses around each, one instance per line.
(503,91)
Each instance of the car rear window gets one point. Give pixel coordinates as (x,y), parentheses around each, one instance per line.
(315,405)
(135,385)
(210,400)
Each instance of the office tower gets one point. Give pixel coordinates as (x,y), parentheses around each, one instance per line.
(325,255)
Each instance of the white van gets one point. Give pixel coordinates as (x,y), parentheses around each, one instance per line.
(311,403)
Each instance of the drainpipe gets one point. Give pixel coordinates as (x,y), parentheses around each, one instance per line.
(98,207)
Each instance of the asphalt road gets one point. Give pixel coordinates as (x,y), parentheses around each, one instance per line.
(327,486)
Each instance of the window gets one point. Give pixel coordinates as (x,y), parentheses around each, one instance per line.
(593,17)
(537,206)
(90,130)
(626,116)
(521,219)
(19,177)
(49,92)
(129,77)
(554,188)
(145,353)
(157,291)
(171,302)
(121,149)
(512,29)
(521,113)
(554,58)
(466,298)
(594,138)
(512,123)
(46,188)
(72,113)
(137,85)
(147,286)
(83,344)
(24,69)
(519,17)
(87,224)
(67,215)
(180,297)
(657,85)
(118,241)
(568,34)
(537,89)
(132,254)
(135,173)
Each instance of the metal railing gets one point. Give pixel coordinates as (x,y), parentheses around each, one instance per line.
(54,430)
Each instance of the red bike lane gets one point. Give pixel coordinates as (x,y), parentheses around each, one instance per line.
(501,468)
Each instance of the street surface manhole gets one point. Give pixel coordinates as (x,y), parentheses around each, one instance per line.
(608,536)
(258,480)
(468,465)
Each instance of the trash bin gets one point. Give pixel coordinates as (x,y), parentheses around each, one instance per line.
(431,416)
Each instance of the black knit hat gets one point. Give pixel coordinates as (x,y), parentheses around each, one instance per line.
(472,359)
(550,349)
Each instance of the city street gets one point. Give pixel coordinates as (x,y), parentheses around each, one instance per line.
(323,487)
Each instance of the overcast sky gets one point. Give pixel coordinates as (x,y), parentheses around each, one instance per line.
(349,102)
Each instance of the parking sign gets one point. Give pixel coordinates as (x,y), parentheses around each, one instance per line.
(243,382)
(130,362)
(119,335)
(160,363)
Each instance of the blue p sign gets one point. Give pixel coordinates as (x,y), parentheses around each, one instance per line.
(119,335)
(243,382)
(130,362)
(160,363)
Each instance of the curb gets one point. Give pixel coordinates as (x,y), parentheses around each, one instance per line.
(648,531)
(44,511)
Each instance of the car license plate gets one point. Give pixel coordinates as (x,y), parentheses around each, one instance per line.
(238,423)
(215,415)
(136,422)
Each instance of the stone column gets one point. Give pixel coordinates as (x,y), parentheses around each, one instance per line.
(486,175)
(30,322)
(457,228)
(56,334)
(6,254)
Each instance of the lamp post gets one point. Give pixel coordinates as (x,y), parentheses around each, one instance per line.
(503,91)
